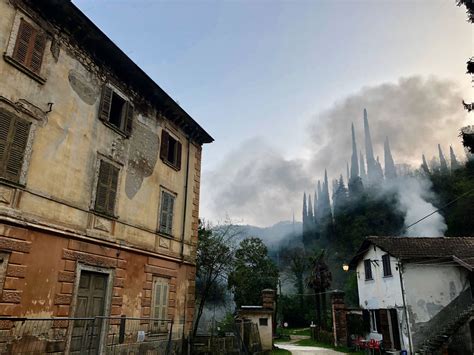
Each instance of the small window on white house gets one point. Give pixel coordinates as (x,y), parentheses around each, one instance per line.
(368,269)
(263,321)
(166,213)
(387,270)
(159,311)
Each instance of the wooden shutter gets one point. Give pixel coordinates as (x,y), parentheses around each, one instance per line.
(29,47)
(164,145)
(179,151)
(164,212)
(113,182)
(6,120)
(25,35)
(384,328)
(160,303)
(19,139)
(106,188)
(166,215)
(105,103)
(170,214)
(157,301)
(128,118)
(37,52)
(164,303)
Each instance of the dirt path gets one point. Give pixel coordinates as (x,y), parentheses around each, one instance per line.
(306,350)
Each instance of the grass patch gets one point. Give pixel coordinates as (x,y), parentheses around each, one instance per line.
(281,352)
(294,331)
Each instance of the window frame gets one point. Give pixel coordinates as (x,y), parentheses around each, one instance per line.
(368,270)
(373,321)
(17,140)
(107,211)
(105,108)
(160,325)
(263,322)
(168,231)
(386,264)
(10,55)
(166,137)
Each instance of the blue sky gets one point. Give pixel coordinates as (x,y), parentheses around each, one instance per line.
(265,70)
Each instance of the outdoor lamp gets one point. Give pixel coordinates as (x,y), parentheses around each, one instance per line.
(345,267)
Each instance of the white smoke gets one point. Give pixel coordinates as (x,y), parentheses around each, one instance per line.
(258,184)
(413,196)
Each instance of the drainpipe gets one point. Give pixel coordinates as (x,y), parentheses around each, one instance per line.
(184,228)
(410,346)
(185,199)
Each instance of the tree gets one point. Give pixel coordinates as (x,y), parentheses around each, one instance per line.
(319,281)
(252,272)
(214,257)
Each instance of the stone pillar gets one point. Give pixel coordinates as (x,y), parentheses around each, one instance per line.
(339,318)
(268,299)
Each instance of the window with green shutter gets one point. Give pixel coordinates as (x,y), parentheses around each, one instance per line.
(166,213)
(14,133)
(159,310)
(106,192)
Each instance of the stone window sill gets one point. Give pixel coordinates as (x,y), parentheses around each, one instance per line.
(115,128)
(165,235)
(24,69)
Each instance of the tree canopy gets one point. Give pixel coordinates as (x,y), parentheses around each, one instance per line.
(252,272)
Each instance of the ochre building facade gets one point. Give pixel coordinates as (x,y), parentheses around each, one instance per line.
(99,176)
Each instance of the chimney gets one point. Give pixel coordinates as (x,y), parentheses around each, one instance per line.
(268,299)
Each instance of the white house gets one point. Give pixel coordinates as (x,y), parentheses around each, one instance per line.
(418,292)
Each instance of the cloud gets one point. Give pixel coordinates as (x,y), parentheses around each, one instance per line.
(256,184)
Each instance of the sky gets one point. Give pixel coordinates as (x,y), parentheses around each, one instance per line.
(278,83)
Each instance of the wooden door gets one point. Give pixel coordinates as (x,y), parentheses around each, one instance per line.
(90,303)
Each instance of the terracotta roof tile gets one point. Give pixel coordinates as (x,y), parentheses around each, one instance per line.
(418,248)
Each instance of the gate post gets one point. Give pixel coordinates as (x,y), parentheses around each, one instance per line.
(339,318)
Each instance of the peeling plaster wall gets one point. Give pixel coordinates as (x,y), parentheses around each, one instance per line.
(428,289)
(60,174)
(431,288)
(65,150)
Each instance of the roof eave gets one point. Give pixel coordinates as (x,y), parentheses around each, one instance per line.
(105,51)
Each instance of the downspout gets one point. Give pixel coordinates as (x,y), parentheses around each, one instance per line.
(410,346)
(184,229)
(185,199)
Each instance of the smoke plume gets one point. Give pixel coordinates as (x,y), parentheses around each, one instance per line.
(256,184)
(413,196)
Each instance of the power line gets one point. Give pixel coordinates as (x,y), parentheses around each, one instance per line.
(441,208)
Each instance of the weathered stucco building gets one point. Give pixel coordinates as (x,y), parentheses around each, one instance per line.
(99,177)
(418,292)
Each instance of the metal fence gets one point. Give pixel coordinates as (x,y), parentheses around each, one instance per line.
(244,339)
(109,335)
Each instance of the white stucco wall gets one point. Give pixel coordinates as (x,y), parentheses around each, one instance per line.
(380,292)
(428,289)
(265,331)
(432,287)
